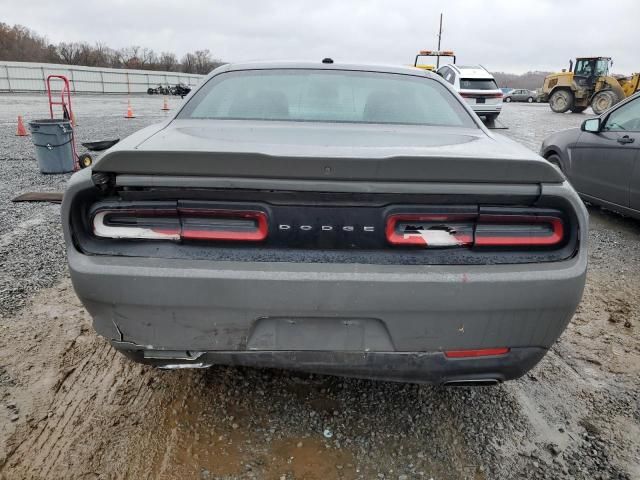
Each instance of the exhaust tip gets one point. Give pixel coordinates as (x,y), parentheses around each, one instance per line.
(182,366)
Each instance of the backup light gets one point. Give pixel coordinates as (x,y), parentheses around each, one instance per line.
(181,224)
(431,230)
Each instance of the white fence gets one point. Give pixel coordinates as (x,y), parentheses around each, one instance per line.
(31,77)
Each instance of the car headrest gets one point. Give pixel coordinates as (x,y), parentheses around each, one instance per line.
(270,104)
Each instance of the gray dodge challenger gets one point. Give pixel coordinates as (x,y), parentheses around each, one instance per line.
(353,220)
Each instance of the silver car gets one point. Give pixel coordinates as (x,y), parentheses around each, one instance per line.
(345,219)
(520,95)
(602,157)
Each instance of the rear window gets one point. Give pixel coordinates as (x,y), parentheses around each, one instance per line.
(327,96)
(478,84)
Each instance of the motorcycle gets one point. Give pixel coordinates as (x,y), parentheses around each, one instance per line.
(159,90)
(180,89)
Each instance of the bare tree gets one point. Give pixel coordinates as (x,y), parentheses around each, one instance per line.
(69,52)
(18,43)
(128,57)
(529,80)
(189,63)
(200,62)
(103,55)
(148,58)
(167,61)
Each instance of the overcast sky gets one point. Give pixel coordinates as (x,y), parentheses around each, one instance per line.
(503,35)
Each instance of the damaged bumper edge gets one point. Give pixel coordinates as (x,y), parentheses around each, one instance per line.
(175,359)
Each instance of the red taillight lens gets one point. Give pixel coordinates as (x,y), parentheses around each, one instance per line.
(459,230)
(484,352)
(481,95)
(229,225)
(447,230)
(181,224)
(514,230)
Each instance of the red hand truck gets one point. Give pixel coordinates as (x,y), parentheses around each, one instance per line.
(79,161)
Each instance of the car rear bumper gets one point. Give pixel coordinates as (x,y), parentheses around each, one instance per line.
(490,105)
(376,321)
(418,367)
(487,108)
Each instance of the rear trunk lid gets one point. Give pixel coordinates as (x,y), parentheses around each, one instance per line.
(325,151)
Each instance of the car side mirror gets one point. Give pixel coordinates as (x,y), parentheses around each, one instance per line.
(591,125)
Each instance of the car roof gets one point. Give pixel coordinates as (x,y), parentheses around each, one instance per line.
(319,65)
(474,72)
(470,71)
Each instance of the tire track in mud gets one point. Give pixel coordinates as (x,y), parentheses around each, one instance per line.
(74,395)
(73,409)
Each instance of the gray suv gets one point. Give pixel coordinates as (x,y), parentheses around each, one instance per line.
(345,219)
(521,95)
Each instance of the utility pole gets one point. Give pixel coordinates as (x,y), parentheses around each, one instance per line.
(439,39)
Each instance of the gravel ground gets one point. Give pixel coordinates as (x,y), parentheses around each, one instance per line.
(70,407)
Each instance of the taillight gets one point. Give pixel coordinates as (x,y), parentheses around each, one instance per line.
(514,230)
(483,230)
(230,225)
(483,352)
(433,230)
(181,224)
(481,95)
(147,224)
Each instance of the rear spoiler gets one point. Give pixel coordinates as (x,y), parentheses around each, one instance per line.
(389,169)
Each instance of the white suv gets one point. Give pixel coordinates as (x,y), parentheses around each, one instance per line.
(477,86)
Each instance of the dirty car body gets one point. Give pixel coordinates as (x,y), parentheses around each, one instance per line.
(343,219)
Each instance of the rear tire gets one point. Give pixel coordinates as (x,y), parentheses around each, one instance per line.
(603,100)
(554,159)
(561,101)
(508,99)
(491,117)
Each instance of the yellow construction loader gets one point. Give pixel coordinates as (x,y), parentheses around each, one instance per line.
(589,84)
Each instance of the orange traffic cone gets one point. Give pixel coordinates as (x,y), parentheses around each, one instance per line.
(165,105)
(21,131)
(129,110)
